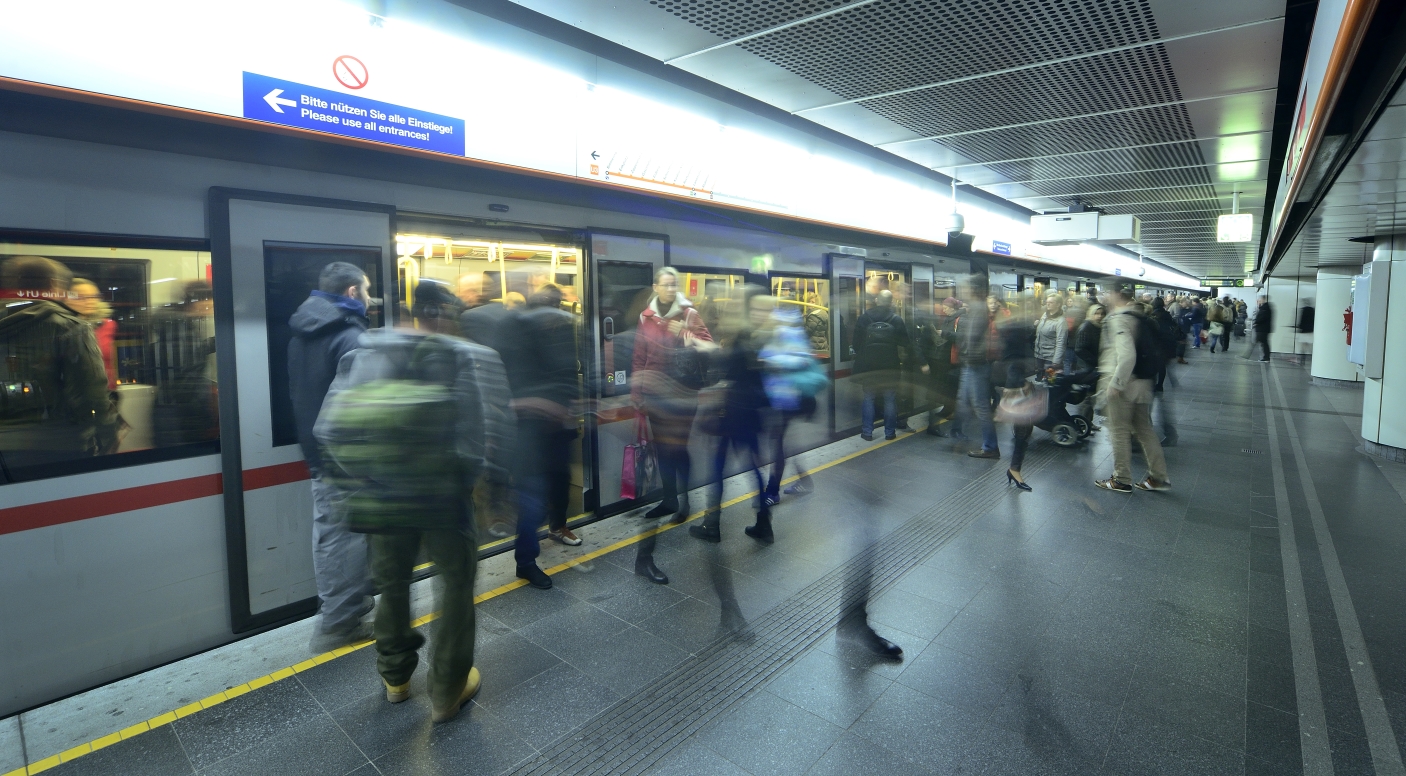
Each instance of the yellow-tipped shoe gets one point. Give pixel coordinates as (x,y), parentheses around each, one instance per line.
(396,693)
(470,690)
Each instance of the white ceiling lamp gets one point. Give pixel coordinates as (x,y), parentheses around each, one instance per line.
(1236,227)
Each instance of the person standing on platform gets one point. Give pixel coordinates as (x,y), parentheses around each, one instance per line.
(1263,324)
(1168,338)
(483,312)
(326,327)
(538,348)
(973,335)
(1051,333)
(879,335)
(1198,322)
(935,348)
(1128,364)
(669,367)
(415,417)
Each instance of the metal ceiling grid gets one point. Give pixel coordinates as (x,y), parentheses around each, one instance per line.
(1130,106)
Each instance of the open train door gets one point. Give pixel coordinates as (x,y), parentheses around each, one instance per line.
(266,253)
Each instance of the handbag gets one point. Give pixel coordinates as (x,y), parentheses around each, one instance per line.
(639,467)
(1024,406)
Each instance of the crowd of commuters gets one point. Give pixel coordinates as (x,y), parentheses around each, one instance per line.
(464,416)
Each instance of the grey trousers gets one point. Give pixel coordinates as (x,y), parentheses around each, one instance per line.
(1128,419)
(339,562)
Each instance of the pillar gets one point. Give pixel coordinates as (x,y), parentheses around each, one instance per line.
(1329,340)
(1384,398)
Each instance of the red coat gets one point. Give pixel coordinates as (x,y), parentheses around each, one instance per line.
(653,340)
(106,332)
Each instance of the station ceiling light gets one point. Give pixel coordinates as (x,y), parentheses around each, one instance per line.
(1235,227)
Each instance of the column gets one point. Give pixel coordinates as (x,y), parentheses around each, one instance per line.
(1384,398)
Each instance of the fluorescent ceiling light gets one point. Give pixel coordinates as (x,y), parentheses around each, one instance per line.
(1235,227)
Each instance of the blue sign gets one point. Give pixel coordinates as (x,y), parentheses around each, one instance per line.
(1117,270)
(308,107)
(999,247)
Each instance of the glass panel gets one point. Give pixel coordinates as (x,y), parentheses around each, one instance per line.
(107,358)
(290,274)
(490,271)
(812,297)
(711,293)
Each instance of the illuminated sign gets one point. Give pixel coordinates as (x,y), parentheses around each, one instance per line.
(1235,227)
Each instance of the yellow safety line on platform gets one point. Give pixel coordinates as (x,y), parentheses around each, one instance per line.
(284,673)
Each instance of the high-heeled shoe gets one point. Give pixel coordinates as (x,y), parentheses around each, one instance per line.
(1011,478)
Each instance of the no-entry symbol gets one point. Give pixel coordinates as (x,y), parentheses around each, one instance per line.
(350,72)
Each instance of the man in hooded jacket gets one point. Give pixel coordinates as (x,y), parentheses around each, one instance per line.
(325,328)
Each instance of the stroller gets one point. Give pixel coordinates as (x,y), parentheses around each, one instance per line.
(1067,430)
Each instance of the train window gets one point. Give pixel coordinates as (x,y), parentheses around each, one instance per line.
(811,296)
(108,358)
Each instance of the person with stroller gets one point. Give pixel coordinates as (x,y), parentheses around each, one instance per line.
(1051,333)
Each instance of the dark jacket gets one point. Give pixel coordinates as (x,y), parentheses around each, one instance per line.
(745,395)
(538,348)
(972,330)
(51,350)
(1264,319)
(1086,343)
(480,324)
(325,328)
(870,356)
(1017,352)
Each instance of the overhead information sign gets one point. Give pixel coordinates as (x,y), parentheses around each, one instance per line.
(308,107)
(1002,248)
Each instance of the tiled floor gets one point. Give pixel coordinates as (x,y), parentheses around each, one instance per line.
(1064,631)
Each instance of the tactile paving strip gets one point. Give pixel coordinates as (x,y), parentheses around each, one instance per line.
(639,730)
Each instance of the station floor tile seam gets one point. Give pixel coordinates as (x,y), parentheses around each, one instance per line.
(168,717)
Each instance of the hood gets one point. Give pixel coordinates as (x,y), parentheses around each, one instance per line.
(320,311)
(680,304)
(30,315)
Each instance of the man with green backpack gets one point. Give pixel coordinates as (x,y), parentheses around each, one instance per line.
(414,418)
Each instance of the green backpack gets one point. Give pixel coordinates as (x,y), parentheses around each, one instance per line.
(391,448)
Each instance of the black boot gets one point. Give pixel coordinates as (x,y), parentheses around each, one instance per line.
(867,638)
(682,512)
(644,566)
(665,508)
(762,530)
(708,531)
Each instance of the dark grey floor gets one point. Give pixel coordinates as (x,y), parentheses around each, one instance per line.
(1067,630)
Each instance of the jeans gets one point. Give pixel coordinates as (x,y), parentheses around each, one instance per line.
(543,483)
(455,556)
(745,441)
(778,460)
(1223,339)
(1196,335)
(1261,339)
(1127,419)
(890,413)
(339,561)
(974,394)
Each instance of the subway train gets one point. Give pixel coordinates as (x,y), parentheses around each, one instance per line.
(193,527)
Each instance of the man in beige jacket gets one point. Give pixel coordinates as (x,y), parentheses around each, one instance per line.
(1125,391)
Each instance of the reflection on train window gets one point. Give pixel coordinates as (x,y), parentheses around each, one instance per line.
(108,358)
(812,297)
(711,294)
(495,274)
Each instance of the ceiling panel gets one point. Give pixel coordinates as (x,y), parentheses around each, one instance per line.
(1159,108)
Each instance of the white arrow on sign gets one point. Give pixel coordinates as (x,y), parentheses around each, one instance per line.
(275,101)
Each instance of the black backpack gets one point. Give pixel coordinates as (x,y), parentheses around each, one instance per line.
(882,334)
(1151,357)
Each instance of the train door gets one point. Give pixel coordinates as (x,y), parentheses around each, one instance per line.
(267,251)
(622,267)
(500,268)
(846,305)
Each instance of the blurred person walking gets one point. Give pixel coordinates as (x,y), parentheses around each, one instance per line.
(1168,339)
(669,367)
(1020,361)
(50,349)
(1128,364)
(937,349)
(793,378)
(738,416)
(973,337)
(414,419)
(538,349)
(879,336)
(1263,325)
(1197,319)
(1219,319)
(483,312)
(326,327)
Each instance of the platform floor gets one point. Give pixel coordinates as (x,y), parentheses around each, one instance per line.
(1250,621)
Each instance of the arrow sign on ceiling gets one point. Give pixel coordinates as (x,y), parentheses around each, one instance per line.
(275,101)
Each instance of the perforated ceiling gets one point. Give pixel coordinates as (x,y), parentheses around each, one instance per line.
(1044,102)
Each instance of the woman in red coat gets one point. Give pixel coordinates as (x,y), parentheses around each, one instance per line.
(669,365)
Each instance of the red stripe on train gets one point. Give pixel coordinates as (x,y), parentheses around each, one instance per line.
(71,510)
